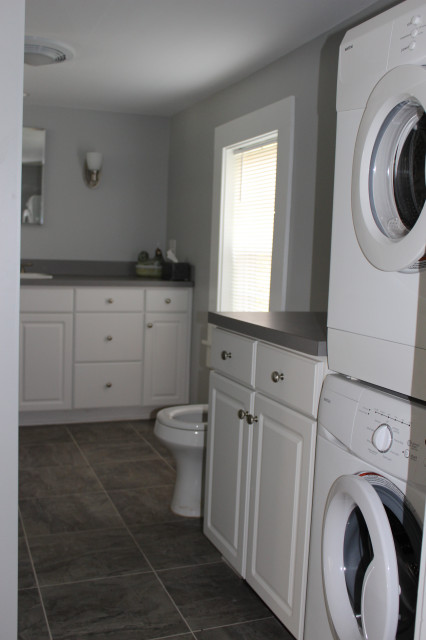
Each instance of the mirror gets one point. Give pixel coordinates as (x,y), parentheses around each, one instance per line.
(33,157)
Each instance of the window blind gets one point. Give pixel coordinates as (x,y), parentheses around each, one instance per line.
(249,228)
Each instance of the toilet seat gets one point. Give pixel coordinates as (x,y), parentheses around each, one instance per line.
(184,418)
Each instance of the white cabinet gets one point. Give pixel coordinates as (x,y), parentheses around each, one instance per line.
(92,352)
(280,507)
(260,461)
(108,347)
(46,325)
(228,469)
(166,353)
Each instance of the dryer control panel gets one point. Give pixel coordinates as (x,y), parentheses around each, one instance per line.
(408,42)
(390,432)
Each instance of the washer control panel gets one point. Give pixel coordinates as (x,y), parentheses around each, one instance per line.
(390,432)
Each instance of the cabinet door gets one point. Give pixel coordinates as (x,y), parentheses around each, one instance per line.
(166,359)
(45,361)
(228,469)
(280,508)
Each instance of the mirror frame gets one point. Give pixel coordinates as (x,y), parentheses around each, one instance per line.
(32,182)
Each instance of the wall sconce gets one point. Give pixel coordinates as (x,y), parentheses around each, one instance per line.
(93,168)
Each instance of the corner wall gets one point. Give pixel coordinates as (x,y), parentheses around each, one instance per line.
(11,79)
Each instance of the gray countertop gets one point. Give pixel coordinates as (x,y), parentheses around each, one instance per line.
(90,273)
(303,331)
(101,281)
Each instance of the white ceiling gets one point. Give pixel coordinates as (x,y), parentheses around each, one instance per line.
(156,57)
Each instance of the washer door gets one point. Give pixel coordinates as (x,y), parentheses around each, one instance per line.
(370,559)
(389,172)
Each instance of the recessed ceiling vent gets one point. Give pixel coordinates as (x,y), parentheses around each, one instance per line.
(39,52)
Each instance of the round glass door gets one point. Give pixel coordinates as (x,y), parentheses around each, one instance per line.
(358,553)
(389,173)
(371,555)
(397,181)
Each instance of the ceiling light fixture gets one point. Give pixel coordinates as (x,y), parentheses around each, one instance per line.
(39,52)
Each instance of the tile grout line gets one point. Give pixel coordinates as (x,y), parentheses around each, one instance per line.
(35,577)
(152,447)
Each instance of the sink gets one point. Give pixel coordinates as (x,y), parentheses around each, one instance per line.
(35,276)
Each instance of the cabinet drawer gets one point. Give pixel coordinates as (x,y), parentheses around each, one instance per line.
(109,299)
(114,384)
(46,299)
(291,378)
(233,355)
(167,299)
(103,337)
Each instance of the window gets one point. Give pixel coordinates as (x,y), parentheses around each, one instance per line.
(249,178)
(251,210)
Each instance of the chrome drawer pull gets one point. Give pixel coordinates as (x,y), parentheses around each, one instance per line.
(110,300)
(167,300)
(250,419)
(149,325)
(276,377)
(242,414)
(225,355)
(109,338)
(108,385)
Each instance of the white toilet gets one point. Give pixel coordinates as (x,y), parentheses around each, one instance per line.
(183,431)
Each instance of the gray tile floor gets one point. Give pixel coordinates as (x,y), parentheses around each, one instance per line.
(102,557)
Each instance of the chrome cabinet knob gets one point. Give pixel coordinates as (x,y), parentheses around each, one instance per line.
(149,325)
(242,414)
(225,355)
(276,377)
(109,338)
(110,300)
(167,300)
(108,385)
(251,419)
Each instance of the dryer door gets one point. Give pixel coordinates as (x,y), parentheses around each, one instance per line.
(370,559)
(389,172)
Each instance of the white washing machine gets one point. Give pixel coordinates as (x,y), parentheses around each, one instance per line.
(377,299)
(367,515)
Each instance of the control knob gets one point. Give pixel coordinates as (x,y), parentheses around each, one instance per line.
(382,438)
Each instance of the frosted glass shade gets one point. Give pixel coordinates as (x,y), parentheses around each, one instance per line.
(94,160)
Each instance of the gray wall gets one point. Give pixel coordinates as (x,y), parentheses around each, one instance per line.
(11,73)
(127,212)
(309,74)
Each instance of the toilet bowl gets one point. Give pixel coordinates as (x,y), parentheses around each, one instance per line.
(183,431)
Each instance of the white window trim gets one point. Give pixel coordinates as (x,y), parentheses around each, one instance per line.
(278,116)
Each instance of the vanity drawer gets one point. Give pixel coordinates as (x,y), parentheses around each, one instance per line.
(163,299)
(109,299)
(46,299)
(103,337)
(291,378)
(114,384)
(233,355)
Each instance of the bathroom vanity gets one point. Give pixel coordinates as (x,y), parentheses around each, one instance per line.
(267,375)
(93,349)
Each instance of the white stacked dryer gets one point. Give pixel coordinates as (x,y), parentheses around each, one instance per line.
(377,300)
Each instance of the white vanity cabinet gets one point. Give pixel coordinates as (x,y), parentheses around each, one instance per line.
(166,352)
(100,352)
(108,347)
(46,331)
(260,462)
